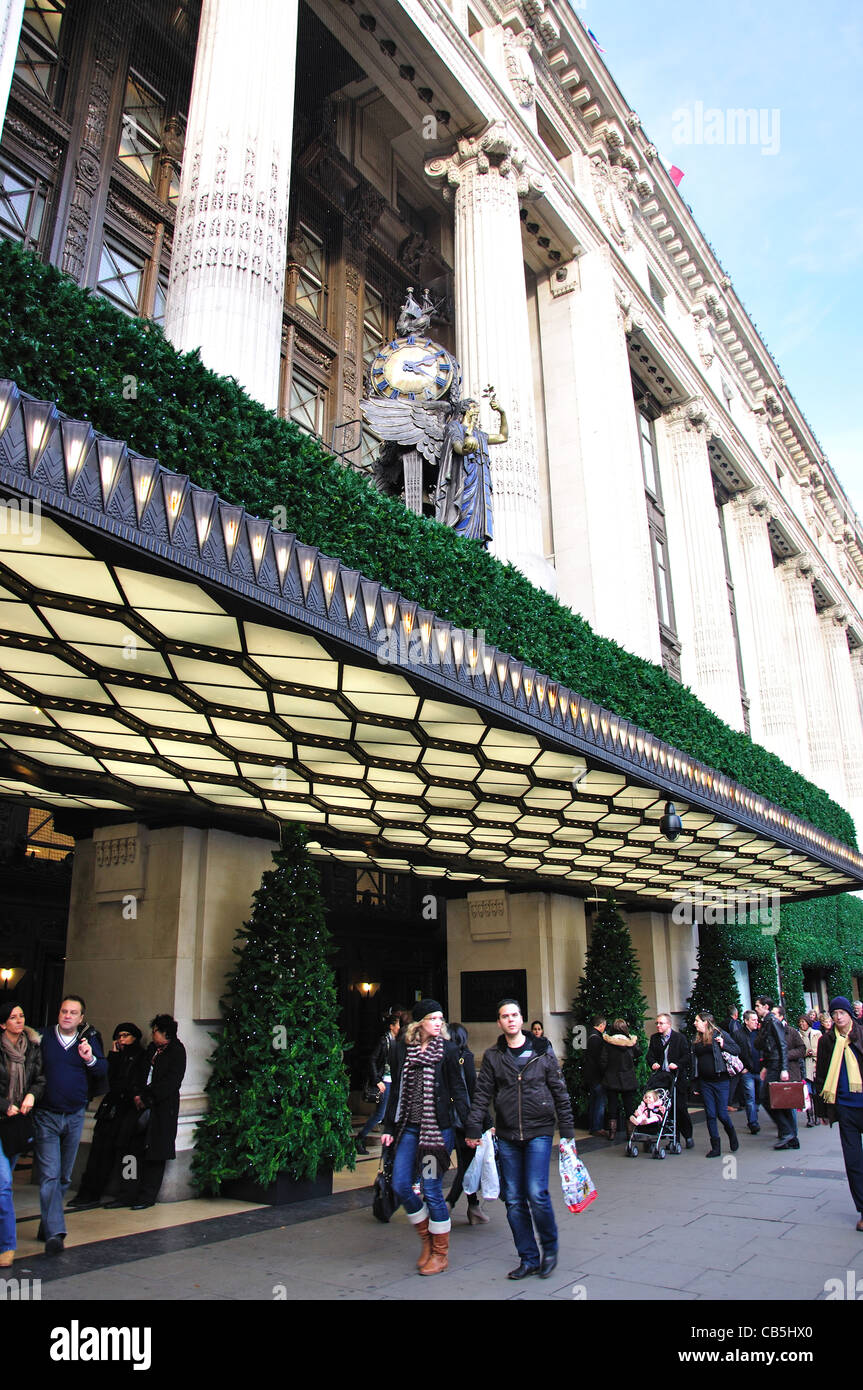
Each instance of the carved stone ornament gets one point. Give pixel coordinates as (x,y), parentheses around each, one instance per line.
(631,315)
(614,188)
(50,149)
(519,67)
(693,415)
(759,503)
(564,279)
(703,337)
(413,252)
(496,151)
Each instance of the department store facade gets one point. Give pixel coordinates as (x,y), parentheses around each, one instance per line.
(265,180)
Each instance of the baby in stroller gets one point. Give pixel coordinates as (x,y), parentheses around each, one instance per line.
(655,1121)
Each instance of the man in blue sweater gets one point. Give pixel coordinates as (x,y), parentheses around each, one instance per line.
(71,1053)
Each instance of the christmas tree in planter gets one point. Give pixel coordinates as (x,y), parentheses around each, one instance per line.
(715,988)
(278,1091)
(611,986)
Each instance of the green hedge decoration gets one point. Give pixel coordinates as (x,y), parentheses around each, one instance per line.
(823,934)
(62,343)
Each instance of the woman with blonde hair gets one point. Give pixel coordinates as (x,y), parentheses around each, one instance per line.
(711,1068)
(22,1082)
(427,1100)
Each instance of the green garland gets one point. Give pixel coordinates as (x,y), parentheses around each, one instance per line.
(824,934)
(59,342)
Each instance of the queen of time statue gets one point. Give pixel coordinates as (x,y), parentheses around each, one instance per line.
(433,453)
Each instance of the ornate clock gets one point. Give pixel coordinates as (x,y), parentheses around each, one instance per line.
(412,368)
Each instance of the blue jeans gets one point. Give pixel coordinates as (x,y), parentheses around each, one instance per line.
(404,1171)
(57,1140)
(7,1206)
(596,1110)
(524,1183)
(749,1087)
(714,1094)
(379,1113)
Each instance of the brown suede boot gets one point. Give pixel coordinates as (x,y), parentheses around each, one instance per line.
(439,1261)
(422,1227)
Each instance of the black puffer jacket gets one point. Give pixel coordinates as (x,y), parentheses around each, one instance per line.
(618,1071)
(449,1089)
(528,1098)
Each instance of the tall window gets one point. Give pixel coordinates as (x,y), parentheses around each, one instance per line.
(309,254)
(646,413)
(307,404)
(37,62)
(22,204)
(121,276)
(374,333)
(141,130)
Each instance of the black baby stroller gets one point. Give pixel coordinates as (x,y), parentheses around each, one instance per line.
(656,1122)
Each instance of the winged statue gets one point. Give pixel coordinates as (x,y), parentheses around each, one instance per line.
(415,442)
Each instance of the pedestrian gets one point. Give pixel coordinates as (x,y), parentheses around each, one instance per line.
(464,1154)
(75,1067)
(618,1073)
(773,1051)
(537,1029)
(814,1020)
(735,1030)
(115,1118)
(426,1100)
(750,1079)
(593,1060)
(22,1083)
(858,1010)
(711,1068)
(380,1076)
(670,1051)
(810,1039)
(839,1068)
(156,1096)
(521,1078)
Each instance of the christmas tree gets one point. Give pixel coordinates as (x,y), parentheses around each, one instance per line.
(715,988)
(278,1090)
(610,986)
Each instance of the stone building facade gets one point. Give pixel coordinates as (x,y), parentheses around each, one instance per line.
(265,179)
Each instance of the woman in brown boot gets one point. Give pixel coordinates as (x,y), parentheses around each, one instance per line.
(425,1103)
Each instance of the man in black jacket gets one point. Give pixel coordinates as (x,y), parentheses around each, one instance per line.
(593,1078)
(521,1077)
(670,1051)
(770,1041)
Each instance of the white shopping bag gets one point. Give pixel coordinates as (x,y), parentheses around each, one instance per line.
(578,1187)
(482,1175)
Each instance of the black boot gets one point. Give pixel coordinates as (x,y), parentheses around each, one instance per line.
(733,1141)
(714,1147)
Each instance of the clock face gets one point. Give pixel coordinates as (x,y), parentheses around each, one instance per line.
(412,368)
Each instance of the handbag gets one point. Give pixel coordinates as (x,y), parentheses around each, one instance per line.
(733,1064)
(786,1095)
(142,1121)
(371,1094)
(16,1134)
(385,1200)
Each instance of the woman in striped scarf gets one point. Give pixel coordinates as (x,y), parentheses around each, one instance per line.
(424,1105)
(838,1083)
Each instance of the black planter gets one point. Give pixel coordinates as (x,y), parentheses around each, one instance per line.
(280,1192)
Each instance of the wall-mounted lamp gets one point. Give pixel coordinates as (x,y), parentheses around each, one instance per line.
(368,988)
(670,824)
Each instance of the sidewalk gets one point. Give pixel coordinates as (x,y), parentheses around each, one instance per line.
(679,1229)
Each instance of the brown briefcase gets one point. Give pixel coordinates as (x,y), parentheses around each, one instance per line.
(787,1095)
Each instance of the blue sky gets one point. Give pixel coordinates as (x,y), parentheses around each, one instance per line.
(787,226)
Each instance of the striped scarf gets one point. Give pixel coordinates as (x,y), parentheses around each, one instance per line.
(418,1080)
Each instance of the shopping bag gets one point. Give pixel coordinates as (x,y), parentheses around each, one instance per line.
(482,1175)
(578,1187)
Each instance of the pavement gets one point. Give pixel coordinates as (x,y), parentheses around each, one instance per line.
(678,1230)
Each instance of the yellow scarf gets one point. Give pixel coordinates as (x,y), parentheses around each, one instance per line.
(841,1049)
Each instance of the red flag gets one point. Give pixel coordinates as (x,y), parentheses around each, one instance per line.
(675,175)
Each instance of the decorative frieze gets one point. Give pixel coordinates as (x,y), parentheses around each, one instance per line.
(488,916)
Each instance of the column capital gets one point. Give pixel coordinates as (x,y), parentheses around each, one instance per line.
(693,416)
(496,151)
(835,614)
(758,502)
(802,564)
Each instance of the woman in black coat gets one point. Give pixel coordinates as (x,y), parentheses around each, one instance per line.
(115,1118)
(711,1069)
(464,1156)
(619,1051)
(157,1090)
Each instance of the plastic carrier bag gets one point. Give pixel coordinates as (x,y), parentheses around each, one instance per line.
(482,1175)
(578,1187)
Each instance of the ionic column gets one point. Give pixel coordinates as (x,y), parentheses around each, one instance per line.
(834,626)
(486,177)
(11,12)
(602,555)
(226,291)
(760,625)
(708,659)
(805,649)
